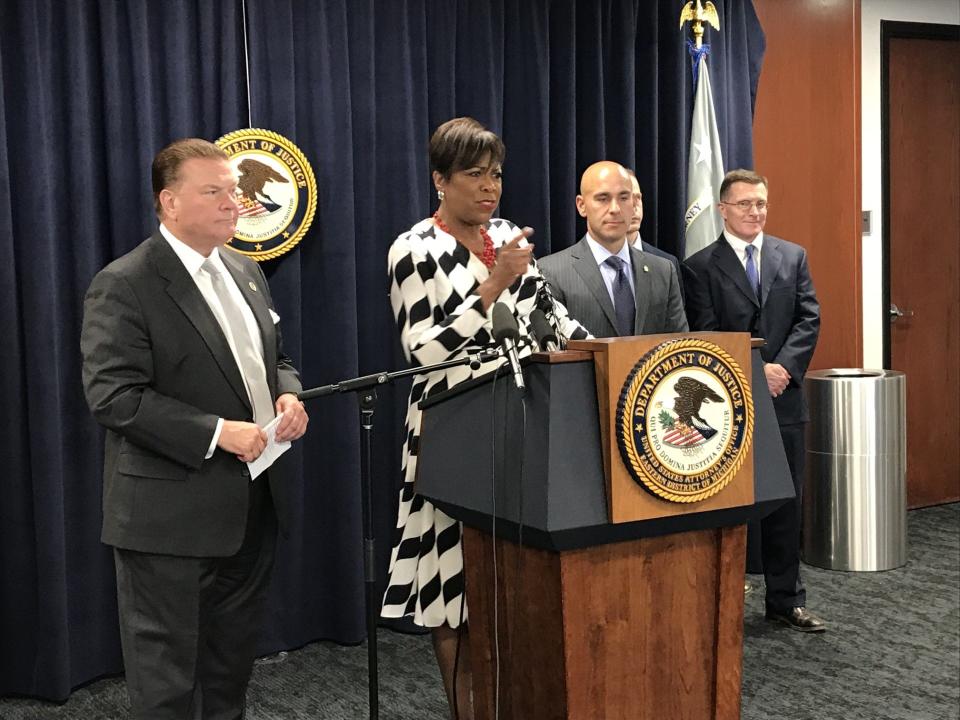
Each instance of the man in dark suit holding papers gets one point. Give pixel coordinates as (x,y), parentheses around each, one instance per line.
(183,366)
(746,281)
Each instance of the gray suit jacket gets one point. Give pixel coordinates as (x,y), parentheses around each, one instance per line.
(576,281)
(157,374)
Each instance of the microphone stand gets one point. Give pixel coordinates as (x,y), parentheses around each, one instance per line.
(366,387)
(548,304)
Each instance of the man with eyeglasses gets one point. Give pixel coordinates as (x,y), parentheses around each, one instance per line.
(746,281)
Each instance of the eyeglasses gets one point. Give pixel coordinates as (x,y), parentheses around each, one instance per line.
(745,205)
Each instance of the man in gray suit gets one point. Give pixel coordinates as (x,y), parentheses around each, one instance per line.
(183,366)
(611,288)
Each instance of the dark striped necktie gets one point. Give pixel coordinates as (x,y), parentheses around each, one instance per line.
(624,303)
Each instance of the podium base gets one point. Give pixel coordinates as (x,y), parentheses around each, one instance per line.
(639,630)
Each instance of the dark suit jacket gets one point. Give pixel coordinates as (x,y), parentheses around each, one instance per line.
(576,282)
(158,373)
(654,250)
(787,315)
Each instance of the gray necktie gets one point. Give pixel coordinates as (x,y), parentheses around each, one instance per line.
(253,375)
(753,277)
(624,303)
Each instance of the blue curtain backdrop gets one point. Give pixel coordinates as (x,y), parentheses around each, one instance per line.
(89,91)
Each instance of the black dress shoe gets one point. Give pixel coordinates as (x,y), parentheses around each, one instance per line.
(798,618)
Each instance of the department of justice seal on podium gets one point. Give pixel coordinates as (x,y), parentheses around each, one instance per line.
(276,190)
(685,420)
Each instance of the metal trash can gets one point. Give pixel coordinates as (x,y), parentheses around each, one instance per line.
(855,493)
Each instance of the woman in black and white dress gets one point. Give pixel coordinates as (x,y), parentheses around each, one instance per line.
(446,273)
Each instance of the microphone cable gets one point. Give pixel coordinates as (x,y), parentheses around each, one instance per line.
(493,540)
(493,544)
(456,654)
(493,530)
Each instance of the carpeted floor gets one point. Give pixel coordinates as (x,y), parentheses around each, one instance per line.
(893,648)
(892,653)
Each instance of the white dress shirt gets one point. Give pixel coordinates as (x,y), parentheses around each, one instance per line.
(740,248)
(600,254)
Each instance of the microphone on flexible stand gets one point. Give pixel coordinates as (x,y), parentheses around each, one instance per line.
(544,332)
(506,332)
(547,304)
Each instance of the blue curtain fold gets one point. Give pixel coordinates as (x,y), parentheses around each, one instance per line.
(90,91)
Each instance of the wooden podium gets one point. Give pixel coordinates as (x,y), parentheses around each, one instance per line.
(572,615)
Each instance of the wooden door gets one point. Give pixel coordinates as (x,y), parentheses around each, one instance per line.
(923,106)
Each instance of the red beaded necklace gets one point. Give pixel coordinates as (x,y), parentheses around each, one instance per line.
(488,257)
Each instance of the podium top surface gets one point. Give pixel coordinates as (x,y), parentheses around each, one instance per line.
(534,466)
(580,346)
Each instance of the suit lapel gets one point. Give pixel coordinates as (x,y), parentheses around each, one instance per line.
(184,292)
(770,259)
(729,264)
(641,286)
(586,267)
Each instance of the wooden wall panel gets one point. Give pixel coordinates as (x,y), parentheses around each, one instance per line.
(806,138)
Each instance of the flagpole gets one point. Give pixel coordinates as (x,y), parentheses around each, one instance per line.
(702,222)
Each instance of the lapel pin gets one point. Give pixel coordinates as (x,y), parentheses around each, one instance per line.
(646,269)
(252,286)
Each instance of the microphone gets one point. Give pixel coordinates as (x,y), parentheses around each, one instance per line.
(547,304)
(545,299)
(544,332)
(507,333)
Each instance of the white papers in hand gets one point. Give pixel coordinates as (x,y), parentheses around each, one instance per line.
(271,452)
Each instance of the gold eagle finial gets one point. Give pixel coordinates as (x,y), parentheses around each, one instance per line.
(697,14)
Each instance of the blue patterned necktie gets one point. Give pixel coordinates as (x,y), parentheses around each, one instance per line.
(753,277)
(624,304)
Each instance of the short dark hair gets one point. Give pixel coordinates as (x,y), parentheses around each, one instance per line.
(165,170)
(744,176)
(461,143)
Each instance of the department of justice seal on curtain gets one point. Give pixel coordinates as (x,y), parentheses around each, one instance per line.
(685,420)
(276,190)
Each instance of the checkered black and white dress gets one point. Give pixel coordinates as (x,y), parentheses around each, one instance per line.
(433,280)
